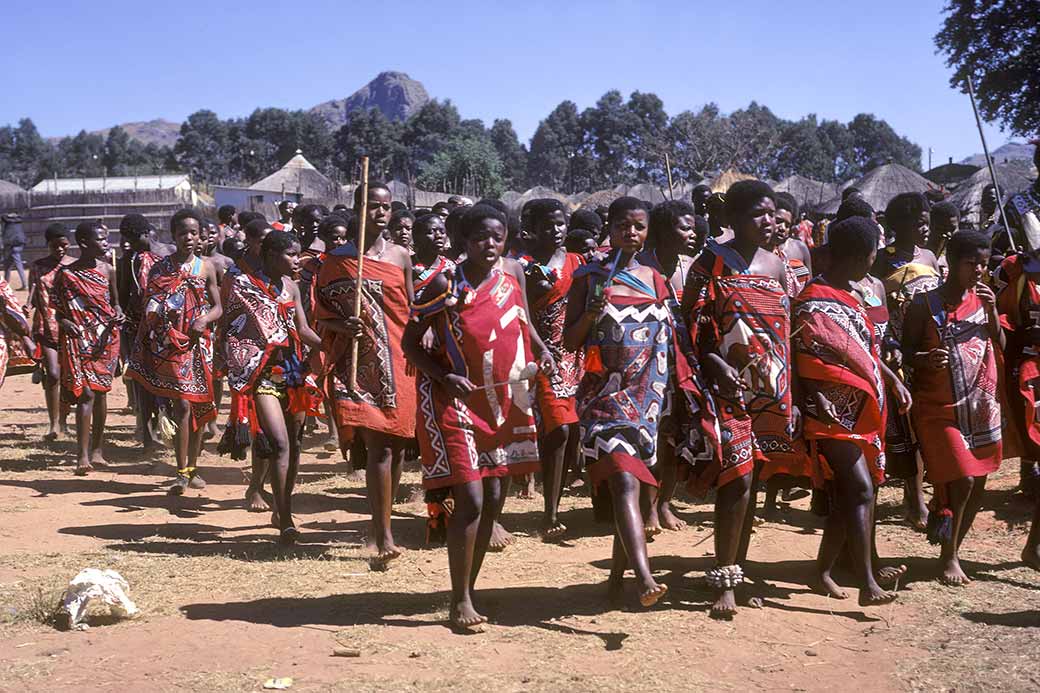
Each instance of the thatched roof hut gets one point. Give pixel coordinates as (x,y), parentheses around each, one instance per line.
(806,191)
(600,198)
(648,192)
(1014,176)
(721,182)
(509,198)
(299,176)
(881,185)
(951,174)
(538,192)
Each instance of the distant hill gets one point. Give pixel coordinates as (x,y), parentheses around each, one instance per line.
(1011,151)
(396,94)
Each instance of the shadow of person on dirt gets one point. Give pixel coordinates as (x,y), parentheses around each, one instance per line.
(509,607)
(1013,619)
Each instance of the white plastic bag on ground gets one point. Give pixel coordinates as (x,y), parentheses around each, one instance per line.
(92,584)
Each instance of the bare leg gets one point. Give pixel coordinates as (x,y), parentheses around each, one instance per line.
(913,499)
(668,468)
(52,394)
(500,538)
(951,572)
(463,526)
(280,430)
(855,495)
(618,566)
(97,429)
(379,475)
(830,548)
(1031,551)
(731,504)
(554,449)
(494,501)
(84,417)
(749,516)
(628,526)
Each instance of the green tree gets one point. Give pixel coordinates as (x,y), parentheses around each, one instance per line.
(203,150)
(427,132)
(82,155)
(649,140)
(369,133)
(874,143)
(510,152)
(700,142)
(609,126)
(25,157)
(755,131)
(801,150)
(467,165)
(558,155)
(997,44)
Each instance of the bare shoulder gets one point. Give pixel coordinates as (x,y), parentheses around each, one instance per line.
(512,267)
(397,255)
(928,257)
(770,263)
(801,250)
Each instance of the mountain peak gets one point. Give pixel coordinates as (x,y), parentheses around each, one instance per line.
(395,94)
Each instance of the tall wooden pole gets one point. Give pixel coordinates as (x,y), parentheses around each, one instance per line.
(989,165)
(362,223)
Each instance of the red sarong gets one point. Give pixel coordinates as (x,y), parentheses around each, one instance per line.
(745,318)
(45,321)
(13,315)
(164,359)
(957,410)
(385,397)
(482,333)
(1018,301)
(838,351)
(88,362)
(555,393)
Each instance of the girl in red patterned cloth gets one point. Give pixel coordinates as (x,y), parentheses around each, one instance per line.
(951,341)
(475,423)
(837,360)
(549,273)
(86,305)
(45,323)
(271,391)
(14,327)
(173,350)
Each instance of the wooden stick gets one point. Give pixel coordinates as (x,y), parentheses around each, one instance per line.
(362,222)
(668,167)
(989,165)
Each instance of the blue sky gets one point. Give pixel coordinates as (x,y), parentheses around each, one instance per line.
(74,65)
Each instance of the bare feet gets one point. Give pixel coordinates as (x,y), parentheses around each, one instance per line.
(554,531)
(889,576)
(952,574)
(386,551)
(873,595)
(97,460)
(652,593)
(528,489)
(668,519)
(826,586)
(83,468)
(615,589)
(464,619)
(725,606)
(500,538)
(1031,557)
(288,536)
(255,501)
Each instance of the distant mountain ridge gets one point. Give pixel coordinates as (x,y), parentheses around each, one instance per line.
(396,94)
(1011,151)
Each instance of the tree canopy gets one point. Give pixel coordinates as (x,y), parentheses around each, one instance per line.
(617,140)
(997,44)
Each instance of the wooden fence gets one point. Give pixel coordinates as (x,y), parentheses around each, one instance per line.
(39,210)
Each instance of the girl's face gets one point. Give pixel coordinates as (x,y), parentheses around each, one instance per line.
(783,220)
(284,263)
(96,244)
(484,246)
(430,239)
(629,233)
(335,237)
(970,269)
(401,232)
(379,200)
(551,232)
(187,236)
(758,223)
(59,247)
(685,231)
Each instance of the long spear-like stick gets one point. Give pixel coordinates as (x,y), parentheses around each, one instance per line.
(989,165)
(362,222)
(668,167)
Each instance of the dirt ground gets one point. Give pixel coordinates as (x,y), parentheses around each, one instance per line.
(224,609)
